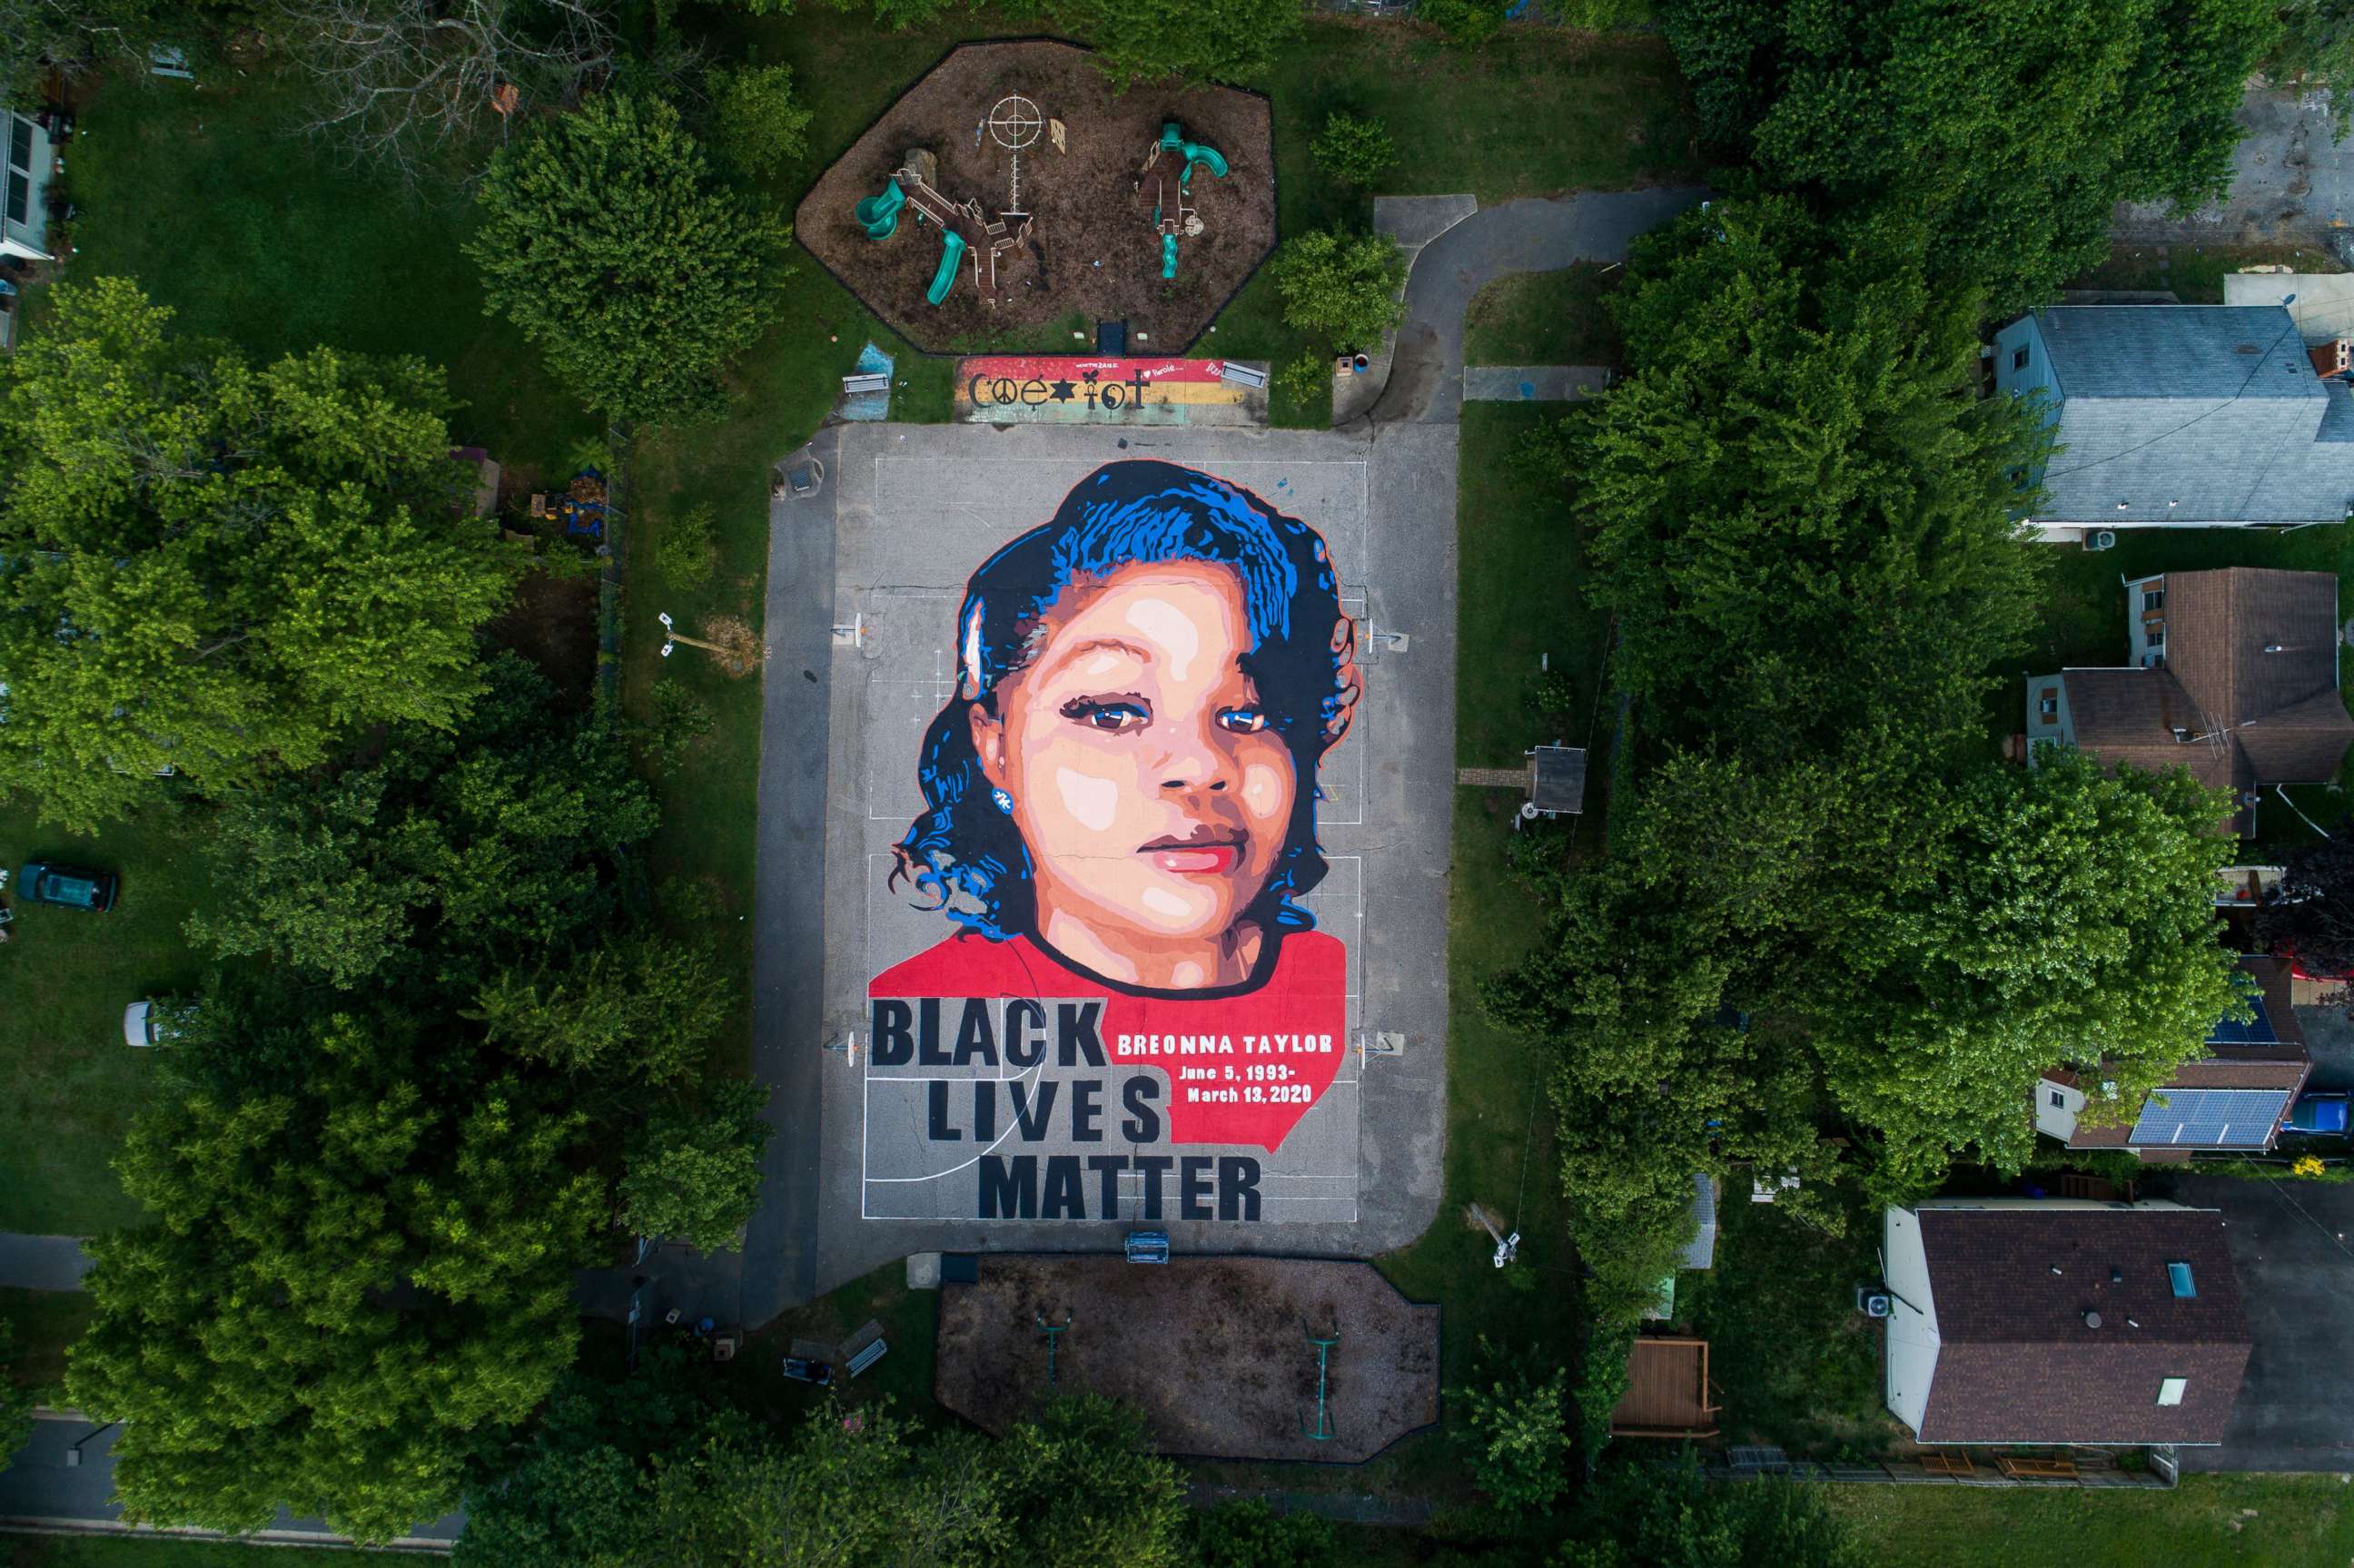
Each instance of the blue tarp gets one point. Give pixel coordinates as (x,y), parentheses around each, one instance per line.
(874,407)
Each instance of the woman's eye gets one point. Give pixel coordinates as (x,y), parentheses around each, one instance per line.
(1242,721)
(1115,718)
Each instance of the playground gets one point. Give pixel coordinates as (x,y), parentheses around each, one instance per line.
(1010,188)
(1222,1354)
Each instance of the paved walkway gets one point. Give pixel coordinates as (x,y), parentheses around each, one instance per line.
(1425,383)
(42,1263)
(1533,383)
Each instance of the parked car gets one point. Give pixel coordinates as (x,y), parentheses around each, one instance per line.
(67,886)
(2316,1113)
(153,1023)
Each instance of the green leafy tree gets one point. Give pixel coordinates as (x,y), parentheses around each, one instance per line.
(756,119)
(640,1007)
(1253,1535)
(2316,46)
(1640,1514)
(1512,1432)
(1081,1487)
(694,1172)
(681,720)
(683,552)
(456,854)
(1352,150)
(2015,128)
(834,1496)
(607,241)
(2069,923)
(216,570)
(1136,41)
(1341,287)
(342,1287)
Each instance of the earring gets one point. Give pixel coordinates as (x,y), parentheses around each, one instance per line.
(1004,801)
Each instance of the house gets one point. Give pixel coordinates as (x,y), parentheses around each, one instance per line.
(2231,1099)
(2179,416)
(2231,673)
(2022,1321)
(25,200)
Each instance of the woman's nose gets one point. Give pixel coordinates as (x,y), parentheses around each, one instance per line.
(1195,761)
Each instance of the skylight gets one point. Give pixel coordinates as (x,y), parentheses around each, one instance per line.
(2178,1275)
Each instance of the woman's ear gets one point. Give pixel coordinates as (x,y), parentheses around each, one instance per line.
(1346,686)
(988,742)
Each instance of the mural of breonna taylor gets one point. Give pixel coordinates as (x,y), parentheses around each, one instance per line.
(1120,824)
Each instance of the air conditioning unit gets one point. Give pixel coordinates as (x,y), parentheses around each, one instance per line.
(1873,1302)
(2100,539)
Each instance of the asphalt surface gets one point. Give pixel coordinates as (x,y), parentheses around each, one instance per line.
(42,1263)
(1425,381)
(2292,1245)
(2291,180)
(789,913)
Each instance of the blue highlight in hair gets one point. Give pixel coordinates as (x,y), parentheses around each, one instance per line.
(963,852)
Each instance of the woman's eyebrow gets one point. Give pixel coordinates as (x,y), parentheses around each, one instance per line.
(1064,661)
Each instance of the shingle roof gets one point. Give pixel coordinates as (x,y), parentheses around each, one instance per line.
(2191,414)
(2267,1052)
(2250,666)
(2019,1363)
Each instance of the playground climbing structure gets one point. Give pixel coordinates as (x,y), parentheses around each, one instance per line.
(1173,213)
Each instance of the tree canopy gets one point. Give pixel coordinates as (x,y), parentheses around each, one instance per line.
(2013,126)
(216,570)
(1340,286)
(607,241)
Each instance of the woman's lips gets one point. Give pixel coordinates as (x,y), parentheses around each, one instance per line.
(1207,855)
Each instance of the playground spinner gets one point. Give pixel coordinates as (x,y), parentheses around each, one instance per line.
(966,232)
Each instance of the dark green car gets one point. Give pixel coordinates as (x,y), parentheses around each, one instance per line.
(67,886)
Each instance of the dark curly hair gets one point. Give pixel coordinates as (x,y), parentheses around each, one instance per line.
(963,853)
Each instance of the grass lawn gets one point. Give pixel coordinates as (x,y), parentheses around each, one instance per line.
(1544,318)
(2279,1520)
(264,239)
(2195,272)
(1799,1365)
(41,1324)
(910,1321)
(156,1552)
(72,1085)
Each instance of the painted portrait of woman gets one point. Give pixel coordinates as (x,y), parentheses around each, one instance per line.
(1121,794)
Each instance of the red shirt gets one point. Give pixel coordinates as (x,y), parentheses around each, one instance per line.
(1243,1064)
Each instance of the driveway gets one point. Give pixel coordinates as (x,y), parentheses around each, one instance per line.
(1425,382)
(2293,1245)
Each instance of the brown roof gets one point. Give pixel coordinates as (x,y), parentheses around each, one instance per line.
(2018,1363)
(1667,1391)
(2268,717)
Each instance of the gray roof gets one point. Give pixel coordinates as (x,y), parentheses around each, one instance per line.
(1701,1251)
(2191,414)
(1558,781)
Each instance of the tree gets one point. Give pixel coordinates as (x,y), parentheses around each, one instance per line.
(398,81)
(1352,151)
(455,854)
(1645,1514)
(1342,287)
(2017,129)
(2311,917)
(2070,922)
(1138,40)
(607,242)
(1080,1487)
(214,571)
(2316,45)
(343,1286)
(1250,1534)
(694,1173)
(639,1007)
(758,122)
(1512,1431)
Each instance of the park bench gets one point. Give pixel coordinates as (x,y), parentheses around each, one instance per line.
(868,1357)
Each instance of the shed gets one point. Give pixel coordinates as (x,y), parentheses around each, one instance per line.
(1557,780)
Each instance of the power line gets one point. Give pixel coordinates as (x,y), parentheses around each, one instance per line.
(2262,360)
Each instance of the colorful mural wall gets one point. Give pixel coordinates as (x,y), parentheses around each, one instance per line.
(1067,389)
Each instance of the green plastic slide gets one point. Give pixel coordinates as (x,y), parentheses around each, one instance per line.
(1173,140)
(880,213)
(945,278)
(1168,256)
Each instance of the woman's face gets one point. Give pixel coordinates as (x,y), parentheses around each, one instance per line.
(1152,792)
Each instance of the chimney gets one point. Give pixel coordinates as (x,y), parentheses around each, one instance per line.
(2332,360)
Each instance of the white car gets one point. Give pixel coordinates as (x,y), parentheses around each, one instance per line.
(153,1023)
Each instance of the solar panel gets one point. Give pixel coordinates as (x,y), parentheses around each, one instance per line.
(2209,1117)
(2258,1031)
